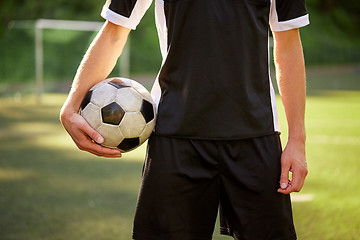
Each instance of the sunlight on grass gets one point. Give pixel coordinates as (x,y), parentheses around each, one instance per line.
(32,128)
(54,141)
(52,99)
(343,140)
(103,225)
(299,197)
(15,174)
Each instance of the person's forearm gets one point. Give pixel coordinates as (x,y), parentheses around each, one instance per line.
(290,73)
(97,63)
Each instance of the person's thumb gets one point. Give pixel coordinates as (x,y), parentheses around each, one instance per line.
(284,177)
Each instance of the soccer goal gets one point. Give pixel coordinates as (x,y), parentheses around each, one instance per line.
(40,24)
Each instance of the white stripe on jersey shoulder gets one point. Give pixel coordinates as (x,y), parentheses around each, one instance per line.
(161,26)
(136,15)
(277,26)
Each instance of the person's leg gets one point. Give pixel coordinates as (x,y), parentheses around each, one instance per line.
(251,207)
(179,194)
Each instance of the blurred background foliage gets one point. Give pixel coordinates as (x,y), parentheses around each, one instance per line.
(332,38)
(63,49)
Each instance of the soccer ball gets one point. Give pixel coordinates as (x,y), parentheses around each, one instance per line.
(121,110)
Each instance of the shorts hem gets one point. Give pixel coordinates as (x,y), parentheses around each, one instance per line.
(225,231)
(228,232)
(154,236)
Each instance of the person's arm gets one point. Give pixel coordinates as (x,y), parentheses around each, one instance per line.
(290,73)
(96,65)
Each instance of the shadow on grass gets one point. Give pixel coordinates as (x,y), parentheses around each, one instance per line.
(50,190)
(46,192)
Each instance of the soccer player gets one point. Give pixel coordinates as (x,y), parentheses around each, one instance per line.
(216,141)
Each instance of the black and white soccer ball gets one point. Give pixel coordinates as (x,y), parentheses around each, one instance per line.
(122,111)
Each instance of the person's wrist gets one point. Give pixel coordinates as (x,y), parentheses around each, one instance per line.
(298,136)
(297,139)
(297,143)
(67,110)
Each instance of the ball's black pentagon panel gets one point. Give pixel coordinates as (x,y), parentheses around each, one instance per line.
(118,83)
(129,143)
(86,100)
(147,111)
(112,114)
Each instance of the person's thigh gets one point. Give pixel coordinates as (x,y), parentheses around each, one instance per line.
(251,207)
(179,194)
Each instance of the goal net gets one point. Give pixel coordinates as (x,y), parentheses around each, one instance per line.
(43,55)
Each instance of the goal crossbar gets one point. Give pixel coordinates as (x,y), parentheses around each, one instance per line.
(68,25)
(41,24)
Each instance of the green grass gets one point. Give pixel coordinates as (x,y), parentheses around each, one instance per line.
(333,151)
(50,190)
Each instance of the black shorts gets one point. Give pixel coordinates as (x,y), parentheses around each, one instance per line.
(186,181)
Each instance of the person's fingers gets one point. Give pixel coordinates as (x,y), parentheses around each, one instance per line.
(297,181)
(293,160)
(286,190)
(85,143)
(89,131)
(103,151)
(87,139)
(284,177)
(298,178)
(98,150)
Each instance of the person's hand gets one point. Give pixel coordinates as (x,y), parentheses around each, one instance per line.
(85,137)
(293,160)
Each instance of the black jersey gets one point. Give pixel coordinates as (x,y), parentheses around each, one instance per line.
(214,81)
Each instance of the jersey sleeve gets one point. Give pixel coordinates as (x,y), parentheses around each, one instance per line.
(126,13)
(288,14)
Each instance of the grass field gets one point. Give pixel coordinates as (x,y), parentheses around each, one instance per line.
(50,190)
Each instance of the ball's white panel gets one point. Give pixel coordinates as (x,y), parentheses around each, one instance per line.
(137,85)
(111,134)
(143,91)
(92,115)
(132,124)
(147,131)
(129,99)
(101,83)
(126,81)
(103,95)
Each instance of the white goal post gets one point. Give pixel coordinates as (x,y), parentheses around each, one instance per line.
(40,24)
